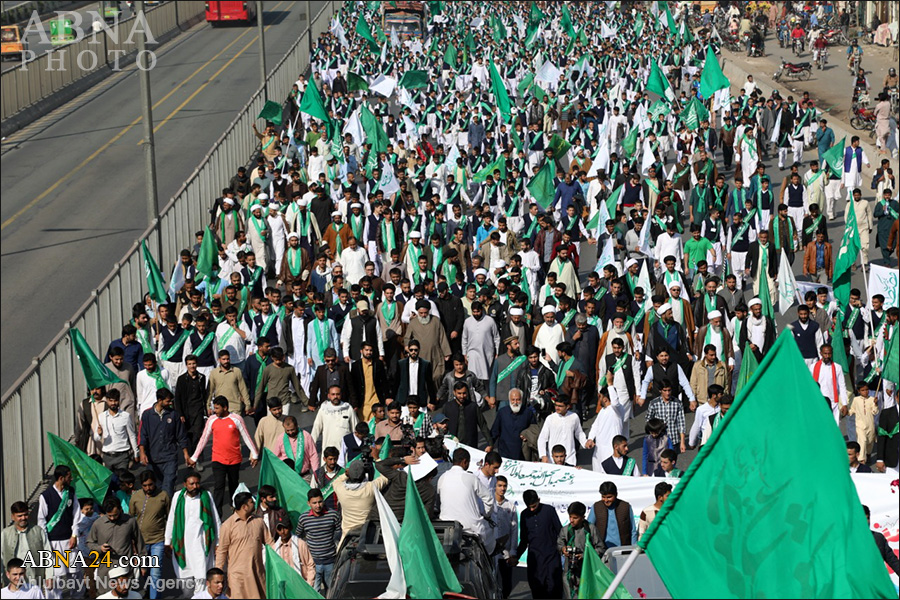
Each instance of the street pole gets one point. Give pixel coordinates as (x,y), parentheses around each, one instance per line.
(262,48)
(309,25)
(149,148)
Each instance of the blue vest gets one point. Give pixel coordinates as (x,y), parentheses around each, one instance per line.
(63,529)
(849,154)
(795,196)
(806,338)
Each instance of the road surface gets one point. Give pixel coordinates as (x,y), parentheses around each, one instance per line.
(73,191)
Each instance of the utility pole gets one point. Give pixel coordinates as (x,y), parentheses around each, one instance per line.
(309,25)
(149,146)
(262,48)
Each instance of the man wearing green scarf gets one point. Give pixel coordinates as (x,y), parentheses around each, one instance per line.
(192,530)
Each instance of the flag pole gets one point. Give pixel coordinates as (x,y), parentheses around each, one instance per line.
(622,572)
(862,266)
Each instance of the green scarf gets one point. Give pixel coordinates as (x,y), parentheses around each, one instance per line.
(295,265)
(298,457)
(178,529)
(337,238)
(168,354)
(881,431)
(160,382)
(321,332)
(388,315)
(515,364)
(61,510)
(561,373)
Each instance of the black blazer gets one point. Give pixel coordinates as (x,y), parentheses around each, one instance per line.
(753,259)
(427,391)
(318,388)
(357,383)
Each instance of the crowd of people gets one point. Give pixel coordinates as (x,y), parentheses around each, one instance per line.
(407,263)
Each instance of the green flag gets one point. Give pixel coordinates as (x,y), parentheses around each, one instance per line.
(499,30)
(89,478)
(596,577)
(749,365)
(525,83)
(375,134)
(208,257)
(362,30)
(658,84)
(660,107)
(638,25)
(541,185)
(629,144)
(497,165)
(891,370)
(450,56)
(469,41)
(96,374)
(154,278)
(427,569)
(712,79)
(356,83)
(517,141)
(531,34)
(501,96)
(834,159)
(843,263)
(538,92)
(312,103)
(290,488)
(271,112)
(412,80)
(670,21)
(535,16)
(760,523)
(694,114)
(559,146)
(582,37)
(612,202)
(283,581)
(566,23)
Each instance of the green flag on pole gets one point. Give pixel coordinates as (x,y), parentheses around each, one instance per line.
(414,79)
(694,114)
(780,528)
(749,365)
(535,16)
(450,55)
(566,23)
(497,165)
(96,374)
(356,83)
(89,478)
(541,185)
(208,257)
(290,487)
(712,79)
(501,96)
(525,83)
(531,34)
(362,30)
(558,146)
(283,582)
(833,158)
(312,103)
(375,133)
(155,281)
(629,144)
(271,111)
(843,263)
(427,569)
(596,577)
(658,84)
(670,21)
(499,29)
(891,370)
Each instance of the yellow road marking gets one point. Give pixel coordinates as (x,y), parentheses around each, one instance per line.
(126,129)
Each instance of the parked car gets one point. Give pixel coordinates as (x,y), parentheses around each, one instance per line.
(362,571)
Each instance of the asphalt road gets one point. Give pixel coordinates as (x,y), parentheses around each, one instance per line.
(73,191)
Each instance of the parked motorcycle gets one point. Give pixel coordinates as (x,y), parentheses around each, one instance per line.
(800,71)
(863,118)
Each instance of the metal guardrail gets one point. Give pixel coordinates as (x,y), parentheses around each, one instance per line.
(46,396)
(48,73)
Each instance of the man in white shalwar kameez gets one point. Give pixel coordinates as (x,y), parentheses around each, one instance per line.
(749,153)
(467,500)
(353,259)
(321,334)
(854,158)
(609,423)
(258,235)
(566,272)
(198,558)
(277,235)
(480,340)
(549,334)
(298,341)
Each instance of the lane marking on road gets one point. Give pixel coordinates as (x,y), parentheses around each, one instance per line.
(216,74)
(126,129)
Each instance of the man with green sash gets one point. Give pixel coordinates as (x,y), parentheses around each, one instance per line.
(59,514)
(666,467)
(620,463)
(887,210)
(171,342)
(298,446)
(192,530)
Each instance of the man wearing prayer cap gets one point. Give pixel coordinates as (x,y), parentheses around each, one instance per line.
(517,325)
(258,234)
(227,221)
(296,263)
(337,236)
(549,334)
(433,343)
(412,251)
(666,333)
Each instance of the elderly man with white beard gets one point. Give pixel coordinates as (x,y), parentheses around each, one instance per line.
(433,343)
(717,335)
(549,334)
(509,424)
(759,331)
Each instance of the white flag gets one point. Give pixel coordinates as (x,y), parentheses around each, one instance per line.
(787,284)
(355,129)
(384,85)
(390,535)
(395,39)
(405,99)
(388,183)
(644,276)
(338,30)
(777,128)
(608,256)
(645,244)
(648,158)
(606,31)
(548,73)
(412,130)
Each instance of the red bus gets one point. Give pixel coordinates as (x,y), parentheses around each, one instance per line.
(227,12)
